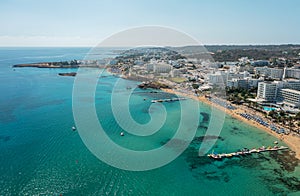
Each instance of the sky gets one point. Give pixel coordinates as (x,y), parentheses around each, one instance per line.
(88,22)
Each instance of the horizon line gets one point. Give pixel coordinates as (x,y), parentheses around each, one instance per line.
(90,46)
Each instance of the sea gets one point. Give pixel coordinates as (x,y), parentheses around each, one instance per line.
(42,155)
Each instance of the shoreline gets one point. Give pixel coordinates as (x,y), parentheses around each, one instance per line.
(290,140)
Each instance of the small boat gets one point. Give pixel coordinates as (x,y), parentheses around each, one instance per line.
(122,133)
(269,148)
(228,155)
(73,128)
(214,156)
(254,150)
(235,154)
(282,148)
(276,142)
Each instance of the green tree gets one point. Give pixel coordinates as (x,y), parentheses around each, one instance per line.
(195,86)
(272,113)
(297,117)
(282,113)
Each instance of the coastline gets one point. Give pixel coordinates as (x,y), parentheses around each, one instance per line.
(290,140)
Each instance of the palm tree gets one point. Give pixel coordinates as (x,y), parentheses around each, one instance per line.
(297,117)
(290,119)
(272,113)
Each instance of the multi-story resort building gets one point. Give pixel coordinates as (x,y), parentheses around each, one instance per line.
(227,78)
(285,93)
(267,91)
(162,68)
(275,73)
(291,98)
(217,78)
(291,73)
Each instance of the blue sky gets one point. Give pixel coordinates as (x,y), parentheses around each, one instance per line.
(88,22)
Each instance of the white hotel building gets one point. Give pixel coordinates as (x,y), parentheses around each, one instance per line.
(291,73)
(267,91)
(291,98)
(274,73)
(286,92)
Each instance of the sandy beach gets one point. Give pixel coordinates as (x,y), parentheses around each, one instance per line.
(292,141)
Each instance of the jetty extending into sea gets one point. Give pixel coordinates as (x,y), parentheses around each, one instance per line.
(245,151)
(168,100)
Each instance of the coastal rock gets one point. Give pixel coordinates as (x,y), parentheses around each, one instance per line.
(154,85)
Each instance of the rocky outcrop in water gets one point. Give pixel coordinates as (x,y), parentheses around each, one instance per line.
(68,74)
(154,85)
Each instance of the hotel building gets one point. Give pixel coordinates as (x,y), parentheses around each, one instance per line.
(291,98)
(267,91)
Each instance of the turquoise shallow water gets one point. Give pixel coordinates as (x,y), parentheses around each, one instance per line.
(40,154)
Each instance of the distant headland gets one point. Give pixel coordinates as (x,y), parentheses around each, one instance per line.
(61,64)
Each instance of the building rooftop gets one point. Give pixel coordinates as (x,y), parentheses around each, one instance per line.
(291,90)
(291,80)
(268,82)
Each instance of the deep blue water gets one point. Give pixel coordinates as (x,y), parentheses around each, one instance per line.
(40,154)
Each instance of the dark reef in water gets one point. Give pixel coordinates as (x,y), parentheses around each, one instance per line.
(286,159)
(205,116)
(202,127)
(235,128)
(195,161)
(207,137)
(290,183)
(5,138)
(173,143)
(217,176)
(274,175)
(196,140)
(67,74)
(192,153)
